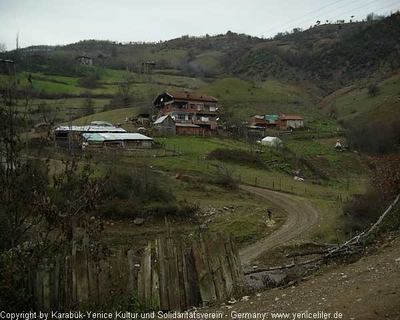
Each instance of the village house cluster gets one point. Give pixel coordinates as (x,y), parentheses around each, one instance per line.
(279,122)
(178,113)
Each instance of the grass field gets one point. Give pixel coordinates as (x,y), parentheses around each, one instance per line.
(354,103)
(193,160)
(113,116)
(328,230)
(189,173)
(243,215)
(233,89)
(228,89)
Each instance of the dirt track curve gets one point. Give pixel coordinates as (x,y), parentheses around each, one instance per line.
(301,216)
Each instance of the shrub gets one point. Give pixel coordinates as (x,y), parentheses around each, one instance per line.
(361,212)
(225,181)
(141,193)
(90,82)
(373,89)
(377,137)
(236,156)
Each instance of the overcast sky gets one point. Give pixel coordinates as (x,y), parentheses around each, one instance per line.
(55,22)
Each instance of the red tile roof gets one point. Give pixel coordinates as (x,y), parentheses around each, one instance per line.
(192,96)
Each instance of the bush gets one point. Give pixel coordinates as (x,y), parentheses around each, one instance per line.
(225,181)
(62,64)
(236,156)
(361,212)
(38,143)
(90,82)
(141,193)
(377,137)
(373,89)
(14,291)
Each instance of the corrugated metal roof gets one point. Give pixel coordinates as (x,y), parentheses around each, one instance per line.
(90,129)
(271,117)
(93,137)
(160,119)
(115,136)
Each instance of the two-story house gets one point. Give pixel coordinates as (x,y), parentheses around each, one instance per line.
(188,109)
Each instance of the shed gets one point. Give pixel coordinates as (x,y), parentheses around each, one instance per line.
(67,136)
(165,125)
(7,66)
(84,60)
(290,122)
(272,142)
(125,140)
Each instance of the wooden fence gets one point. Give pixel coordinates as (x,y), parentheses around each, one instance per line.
(166,277)
(173,278)
(78,280)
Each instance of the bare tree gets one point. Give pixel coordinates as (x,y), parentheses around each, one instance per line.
(39,207)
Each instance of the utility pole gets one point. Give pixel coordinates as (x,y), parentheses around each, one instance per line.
(17,41)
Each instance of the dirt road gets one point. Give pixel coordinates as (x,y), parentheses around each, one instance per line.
(301,216)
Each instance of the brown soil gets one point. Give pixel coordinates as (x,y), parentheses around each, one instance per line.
(366,289)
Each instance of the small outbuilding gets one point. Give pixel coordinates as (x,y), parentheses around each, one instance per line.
(286,122)
(165,125)
(272,142)
(69,136)
(84,60)
(124,140)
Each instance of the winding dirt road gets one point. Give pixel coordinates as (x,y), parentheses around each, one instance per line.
(301,216)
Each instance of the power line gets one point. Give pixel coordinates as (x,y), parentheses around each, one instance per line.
(346,5)
(355,9)
(317,16)
(308,14)
(394,3)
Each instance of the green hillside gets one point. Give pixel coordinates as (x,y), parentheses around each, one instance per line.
(320,73)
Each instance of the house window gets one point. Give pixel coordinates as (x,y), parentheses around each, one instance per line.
(198,107)
(181,117)
(192,106)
